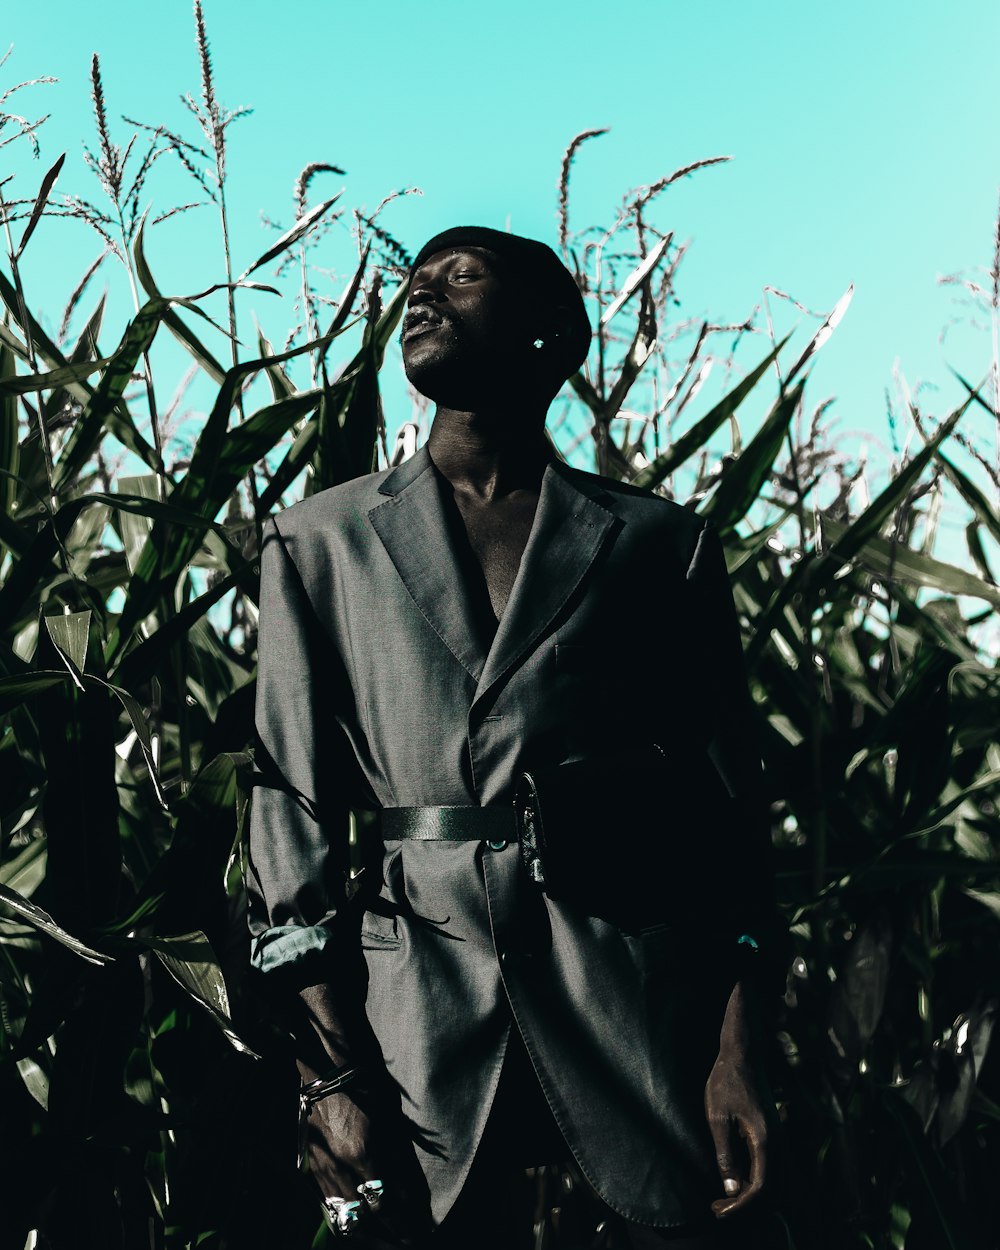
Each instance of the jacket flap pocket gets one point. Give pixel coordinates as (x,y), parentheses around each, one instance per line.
(379,932)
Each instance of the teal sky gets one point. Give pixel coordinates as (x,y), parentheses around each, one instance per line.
(865,143)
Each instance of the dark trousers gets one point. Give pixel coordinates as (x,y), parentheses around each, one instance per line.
(523,1173)
(525,1191)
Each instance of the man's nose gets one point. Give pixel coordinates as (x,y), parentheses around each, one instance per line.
(424,291)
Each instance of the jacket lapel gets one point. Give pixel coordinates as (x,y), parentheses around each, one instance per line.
(414,531)
(569,530)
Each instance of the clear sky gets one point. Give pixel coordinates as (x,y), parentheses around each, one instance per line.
(865,140)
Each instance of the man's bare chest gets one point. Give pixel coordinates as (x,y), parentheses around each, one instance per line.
(498,534)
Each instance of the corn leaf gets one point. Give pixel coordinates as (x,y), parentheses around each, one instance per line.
(247,443)
(25,871)
(9,451)
(889,559)
(741,481)
(822,334)
(972,495)
(139,664)
(934,820)
(205,488)
(36,562)
(16,688)
(41,199)
(699,434)
(102,408)
(135,526)
(291,236)
(133,709)
(43,345)
(37,1085)
(29,383)
(10,340)
(336,399)
(190,960)
(818,570)
(977,551)
(70,632)
(182,332)
(86,344)
(282,386)
(41,919)
(346,302)
(636,278)
(297,457)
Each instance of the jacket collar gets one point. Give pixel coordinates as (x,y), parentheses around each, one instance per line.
(571,525)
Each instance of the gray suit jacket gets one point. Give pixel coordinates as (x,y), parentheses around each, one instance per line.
(377,688)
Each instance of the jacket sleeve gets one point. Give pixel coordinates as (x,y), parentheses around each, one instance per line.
(298,857)
(744,887)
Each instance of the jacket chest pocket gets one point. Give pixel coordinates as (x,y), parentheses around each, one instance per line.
(587,684)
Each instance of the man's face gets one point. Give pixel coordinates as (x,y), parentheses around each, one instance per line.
(461,331)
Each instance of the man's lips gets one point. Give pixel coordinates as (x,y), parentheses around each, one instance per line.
(422,321)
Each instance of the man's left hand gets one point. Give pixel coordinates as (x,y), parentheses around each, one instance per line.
(734,1105)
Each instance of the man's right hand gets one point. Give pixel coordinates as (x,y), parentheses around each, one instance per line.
(345,1147)
(352,1135)
(338,1140)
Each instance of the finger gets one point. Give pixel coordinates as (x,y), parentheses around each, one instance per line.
(343,1215)
(754,1134)
(387,1209)
(372,1192)
(729,1168)
(384,1228)
(756,1139)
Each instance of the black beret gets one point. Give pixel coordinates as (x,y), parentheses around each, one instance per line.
(551,282)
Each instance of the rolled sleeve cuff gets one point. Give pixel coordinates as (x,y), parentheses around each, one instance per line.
(289,949)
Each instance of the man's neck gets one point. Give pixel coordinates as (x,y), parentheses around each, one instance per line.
(488,454)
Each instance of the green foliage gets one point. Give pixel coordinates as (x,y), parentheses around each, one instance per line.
(143,1085)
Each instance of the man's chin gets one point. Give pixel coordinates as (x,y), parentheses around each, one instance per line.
(437,375)
(464,379)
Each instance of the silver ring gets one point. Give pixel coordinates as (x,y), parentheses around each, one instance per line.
(371,1191)
(342,1215)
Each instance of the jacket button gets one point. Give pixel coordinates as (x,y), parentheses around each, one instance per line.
(496,845)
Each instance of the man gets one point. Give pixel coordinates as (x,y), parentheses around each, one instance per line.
(427,634)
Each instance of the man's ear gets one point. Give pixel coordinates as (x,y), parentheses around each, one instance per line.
(553,326)
(561,321)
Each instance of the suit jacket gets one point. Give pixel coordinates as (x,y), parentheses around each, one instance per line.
(377,687)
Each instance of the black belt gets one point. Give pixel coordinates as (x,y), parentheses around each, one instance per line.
(450,824)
